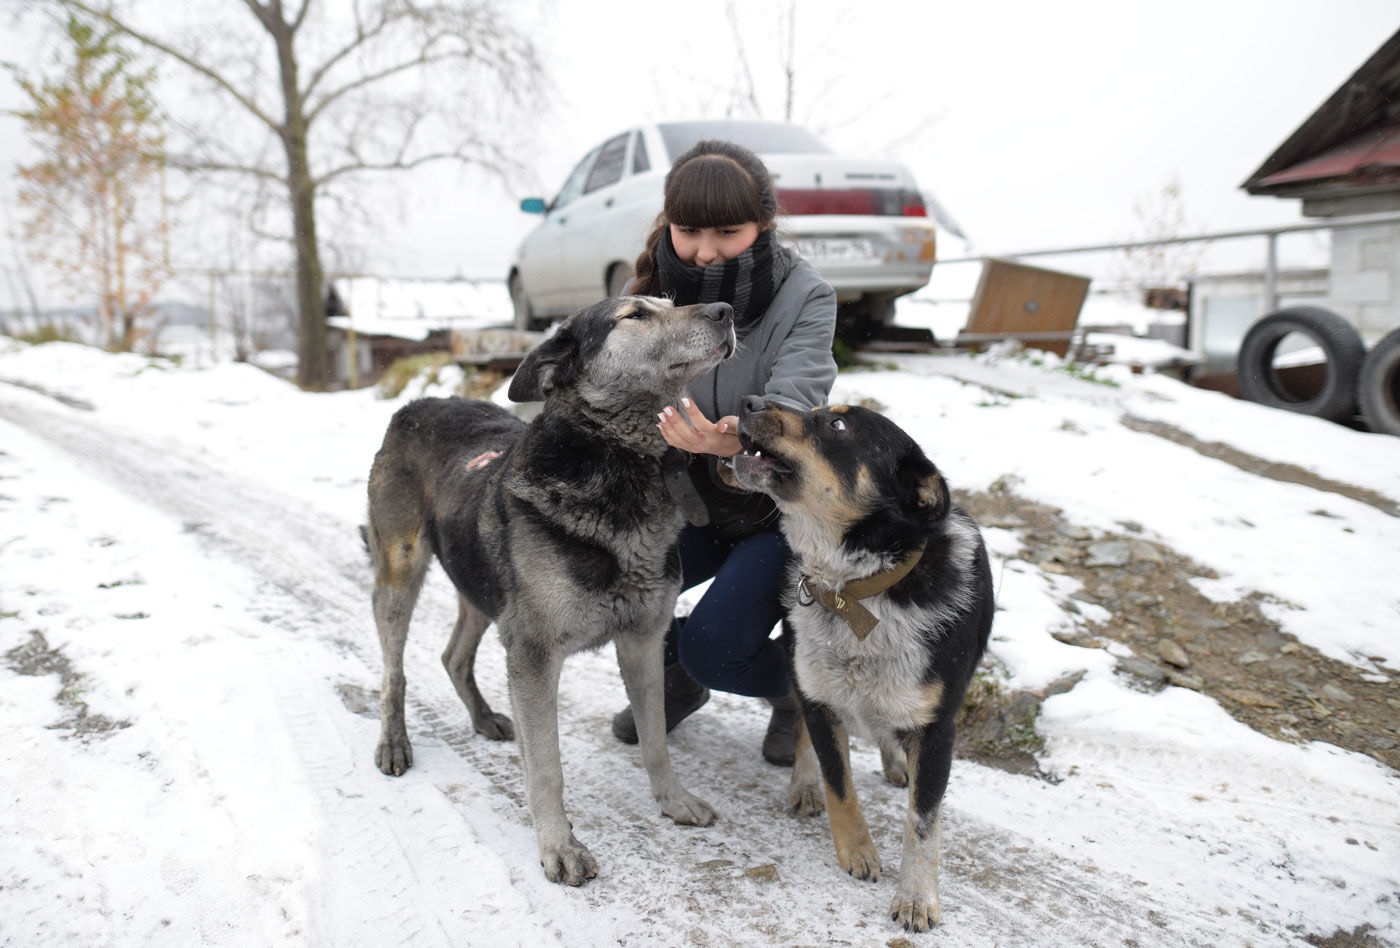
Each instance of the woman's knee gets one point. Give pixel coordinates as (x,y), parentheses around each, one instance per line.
(738,664)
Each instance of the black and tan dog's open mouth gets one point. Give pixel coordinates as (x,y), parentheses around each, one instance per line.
(758,459)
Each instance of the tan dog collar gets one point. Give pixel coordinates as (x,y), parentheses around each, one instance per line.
(844,603)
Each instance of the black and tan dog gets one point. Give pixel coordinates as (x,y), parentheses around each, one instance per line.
(890,603)
(561,531)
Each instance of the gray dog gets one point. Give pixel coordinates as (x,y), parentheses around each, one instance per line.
(563,532)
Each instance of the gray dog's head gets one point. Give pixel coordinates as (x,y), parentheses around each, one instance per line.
(628,351)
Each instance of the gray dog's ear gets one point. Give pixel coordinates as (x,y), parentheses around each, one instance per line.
(675,474)
(552,364)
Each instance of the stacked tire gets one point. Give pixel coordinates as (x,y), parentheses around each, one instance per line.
(1379,391)
(1354,377)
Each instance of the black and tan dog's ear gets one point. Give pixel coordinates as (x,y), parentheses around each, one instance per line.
(933,495)
(552,364)
(922,486)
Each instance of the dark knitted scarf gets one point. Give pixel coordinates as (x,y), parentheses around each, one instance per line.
(748,282)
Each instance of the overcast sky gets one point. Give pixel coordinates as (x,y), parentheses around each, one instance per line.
(1036,124)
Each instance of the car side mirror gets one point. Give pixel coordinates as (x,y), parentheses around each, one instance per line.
(533,205)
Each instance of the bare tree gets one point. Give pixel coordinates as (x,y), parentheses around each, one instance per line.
(747,91)
(789,74)
(1160,215)
(334,90)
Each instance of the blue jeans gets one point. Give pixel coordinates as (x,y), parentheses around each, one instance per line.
(725,643)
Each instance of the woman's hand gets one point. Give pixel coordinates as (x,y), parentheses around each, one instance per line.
(699,435)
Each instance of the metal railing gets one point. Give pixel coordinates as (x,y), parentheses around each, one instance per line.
(1271,257)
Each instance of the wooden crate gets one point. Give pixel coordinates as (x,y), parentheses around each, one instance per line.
(1015,301)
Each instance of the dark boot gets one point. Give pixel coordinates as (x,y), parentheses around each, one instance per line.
(684,696)
(780,742)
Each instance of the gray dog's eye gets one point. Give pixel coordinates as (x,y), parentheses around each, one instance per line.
(839,424)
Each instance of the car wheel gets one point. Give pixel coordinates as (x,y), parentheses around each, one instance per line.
(1379,391)
(525,320)
(859,321)
(1260,380)
(619,275)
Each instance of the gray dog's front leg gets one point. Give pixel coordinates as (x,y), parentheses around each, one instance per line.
(534,696)
(639,659)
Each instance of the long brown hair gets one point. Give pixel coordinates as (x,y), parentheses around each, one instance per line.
(715,183)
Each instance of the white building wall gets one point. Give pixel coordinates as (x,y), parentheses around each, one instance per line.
(1365,283)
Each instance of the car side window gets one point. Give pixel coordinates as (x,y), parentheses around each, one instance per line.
(608,169)
(640,162)
(573,186)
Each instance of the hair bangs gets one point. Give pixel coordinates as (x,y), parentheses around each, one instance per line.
(713,191)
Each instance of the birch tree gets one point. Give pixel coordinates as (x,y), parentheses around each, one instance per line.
(97,212)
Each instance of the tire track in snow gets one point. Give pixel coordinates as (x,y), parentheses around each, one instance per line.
(658,880)
(371,857)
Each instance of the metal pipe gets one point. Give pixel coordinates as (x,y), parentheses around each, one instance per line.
(1271,275)
(1334,224)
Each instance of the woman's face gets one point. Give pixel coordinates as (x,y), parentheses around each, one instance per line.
(702,246)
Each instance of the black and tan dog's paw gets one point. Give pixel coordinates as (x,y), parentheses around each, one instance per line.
(860,860)
(806,799)
(895,763)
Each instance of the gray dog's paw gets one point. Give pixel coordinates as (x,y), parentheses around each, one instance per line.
(570,864)
(916,914)
(495,727)
(393,756)
(689,810)
(806,799)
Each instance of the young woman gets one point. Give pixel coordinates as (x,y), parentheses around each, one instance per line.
(714,241)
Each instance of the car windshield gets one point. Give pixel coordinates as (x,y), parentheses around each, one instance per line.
(764,138)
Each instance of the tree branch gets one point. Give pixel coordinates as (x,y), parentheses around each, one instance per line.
(362,37)
(369,79)
(187,60)
(300,18)
(397,164)
(196,164)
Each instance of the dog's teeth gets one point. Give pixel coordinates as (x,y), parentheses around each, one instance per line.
(758,454)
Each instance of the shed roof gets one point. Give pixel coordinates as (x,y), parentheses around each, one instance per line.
(411,309)
(1351,141)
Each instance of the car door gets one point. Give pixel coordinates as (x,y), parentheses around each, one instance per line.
(542,254)
(590,216)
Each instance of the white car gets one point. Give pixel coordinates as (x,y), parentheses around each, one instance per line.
(862,223)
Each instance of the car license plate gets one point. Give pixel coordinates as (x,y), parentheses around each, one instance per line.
(831,249)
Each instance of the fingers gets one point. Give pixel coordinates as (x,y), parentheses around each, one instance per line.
(696,416)
(689,430)
(686,432)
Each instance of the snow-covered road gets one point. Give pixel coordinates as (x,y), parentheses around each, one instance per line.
(186,553)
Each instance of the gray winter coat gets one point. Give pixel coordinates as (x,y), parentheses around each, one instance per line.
(785,355)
